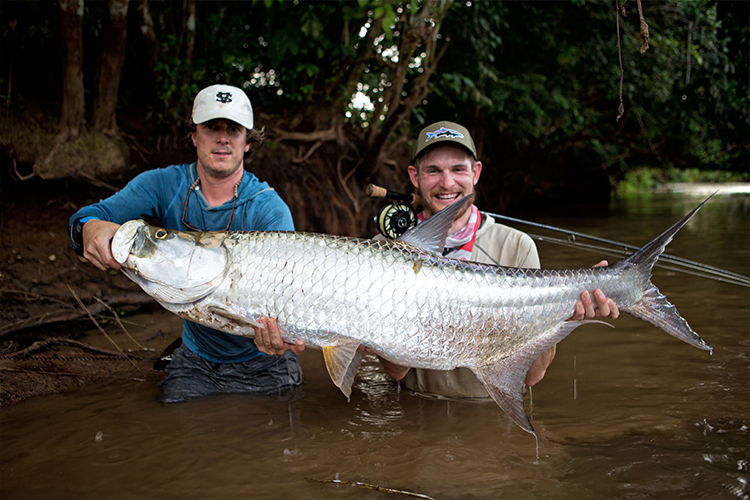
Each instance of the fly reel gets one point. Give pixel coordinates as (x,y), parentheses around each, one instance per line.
(395,219)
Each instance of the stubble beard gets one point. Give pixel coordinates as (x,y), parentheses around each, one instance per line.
(218,173)
(432,209)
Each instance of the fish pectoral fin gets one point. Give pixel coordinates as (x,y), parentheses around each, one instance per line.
(235,318)
(505,378)
(342,362)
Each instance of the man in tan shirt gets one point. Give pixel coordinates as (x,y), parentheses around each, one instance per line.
(445,169)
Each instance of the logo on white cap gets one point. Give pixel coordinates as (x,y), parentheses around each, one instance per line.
(223,101)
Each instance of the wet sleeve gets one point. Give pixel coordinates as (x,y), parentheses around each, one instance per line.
(139,199)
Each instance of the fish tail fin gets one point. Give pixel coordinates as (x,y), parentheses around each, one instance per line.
(654,307)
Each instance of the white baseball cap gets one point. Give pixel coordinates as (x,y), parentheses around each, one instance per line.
(223,101)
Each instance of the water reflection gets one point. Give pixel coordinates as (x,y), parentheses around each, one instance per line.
(628,412)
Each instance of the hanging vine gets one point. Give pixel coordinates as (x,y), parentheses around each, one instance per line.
(644,47)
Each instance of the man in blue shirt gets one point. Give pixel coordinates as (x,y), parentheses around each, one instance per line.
(215,193)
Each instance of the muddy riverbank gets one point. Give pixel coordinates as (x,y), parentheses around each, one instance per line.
(47,294)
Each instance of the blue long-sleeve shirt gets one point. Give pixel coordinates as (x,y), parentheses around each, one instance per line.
(161,194)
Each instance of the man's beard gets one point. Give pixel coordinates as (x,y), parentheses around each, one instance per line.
(432,209)
(222,174)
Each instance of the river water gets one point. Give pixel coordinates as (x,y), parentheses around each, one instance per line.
(623,413)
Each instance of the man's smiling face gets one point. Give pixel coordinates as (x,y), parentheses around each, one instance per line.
(444,174)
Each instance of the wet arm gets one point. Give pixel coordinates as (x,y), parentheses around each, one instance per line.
(392,369)
(539,367)
(584,309)
(396,371)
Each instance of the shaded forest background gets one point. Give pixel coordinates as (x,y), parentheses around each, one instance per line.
(92,93)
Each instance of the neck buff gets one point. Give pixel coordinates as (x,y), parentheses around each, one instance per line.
(460,244)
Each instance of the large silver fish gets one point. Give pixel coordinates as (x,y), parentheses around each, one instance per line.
(400,298)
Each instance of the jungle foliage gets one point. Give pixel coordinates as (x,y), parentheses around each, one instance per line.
(343,87)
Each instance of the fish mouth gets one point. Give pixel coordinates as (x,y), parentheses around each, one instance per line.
(125,238)
(171,266)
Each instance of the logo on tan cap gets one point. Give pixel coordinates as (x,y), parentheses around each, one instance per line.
(441,132)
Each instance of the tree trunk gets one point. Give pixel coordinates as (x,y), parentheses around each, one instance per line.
(151,44)
(338,166)
(111,58)
(189,30)
(71,32)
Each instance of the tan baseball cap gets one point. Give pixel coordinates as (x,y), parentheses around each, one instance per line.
(223,101)
(444,131)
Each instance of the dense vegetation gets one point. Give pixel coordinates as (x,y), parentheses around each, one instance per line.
(343,87)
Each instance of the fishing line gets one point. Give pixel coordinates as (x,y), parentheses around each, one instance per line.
(708,271)
(625,249)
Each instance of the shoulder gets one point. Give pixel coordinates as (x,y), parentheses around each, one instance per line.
(253,189)
(509,246)
(270,211)
(172,173)
(493,230)
(258,192)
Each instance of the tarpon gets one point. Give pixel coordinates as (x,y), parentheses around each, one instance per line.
(401,298)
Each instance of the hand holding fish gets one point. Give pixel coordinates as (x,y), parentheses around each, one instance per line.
(97,237)
(584,308)
(268,339)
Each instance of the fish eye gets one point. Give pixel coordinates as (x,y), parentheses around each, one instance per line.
(160,234)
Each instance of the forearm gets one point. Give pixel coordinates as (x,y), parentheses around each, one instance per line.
(396,371)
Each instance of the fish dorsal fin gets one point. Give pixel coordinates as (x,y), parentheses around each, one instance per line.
(430,235)
(504,379)
(342,362)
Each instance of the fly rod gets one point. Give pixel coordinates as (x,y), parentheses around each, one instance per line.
(625,249)
(374,191)
(620,249)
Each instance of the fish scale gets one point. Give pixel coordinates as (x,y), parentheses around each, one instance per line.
(322,292)
(400,298)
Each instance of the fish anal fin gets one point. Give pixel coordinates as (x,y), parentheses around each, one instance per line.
(504,379)
(342,362)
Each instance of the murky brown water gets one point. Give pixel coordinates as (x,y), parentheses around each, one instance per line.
(628,412)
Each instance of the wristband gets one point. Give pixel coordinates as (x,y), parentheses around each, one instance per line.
(84,220)
(76,232)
